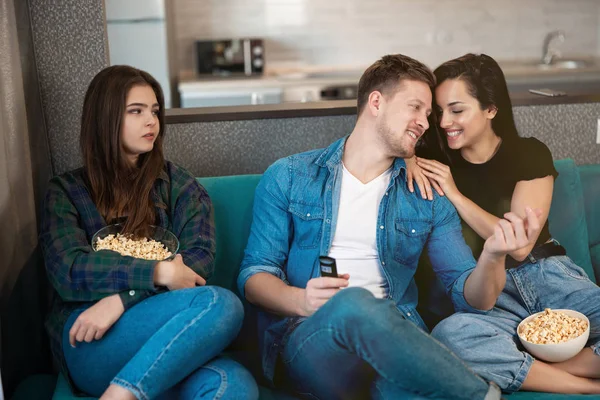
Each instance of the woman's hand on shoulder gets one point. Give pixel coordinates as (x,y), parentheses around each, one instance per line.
(440,176)
(94,322)
(175,275)
(415,173)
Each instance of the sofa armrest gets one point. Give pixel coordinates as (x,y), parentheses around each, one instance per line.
(590,182)
(567,217)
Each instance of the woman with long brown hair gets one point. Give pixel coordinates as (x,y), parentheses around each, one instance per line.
(487,171)
(124,327)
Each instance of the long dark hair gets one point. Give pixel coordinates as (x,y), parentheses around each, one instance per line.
(485,81)
(117,187)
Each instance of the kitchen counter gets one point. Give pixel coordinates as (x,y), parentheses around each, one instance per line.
(516,72)
(268,81)
(577,92)
(299,88)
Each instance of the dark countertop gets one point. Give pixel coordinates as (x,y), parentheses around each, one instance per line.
(577,92)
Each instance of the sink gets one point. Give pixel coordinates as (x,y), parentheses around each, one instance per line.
(533,73)
(565,64)
(558,64)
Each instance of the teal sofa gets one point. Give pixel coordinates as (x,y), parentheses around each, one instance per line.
(574,221)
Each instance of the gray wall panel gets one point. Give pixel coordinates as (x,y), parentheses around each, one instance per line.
(569,130)
(249,147)
(70,48)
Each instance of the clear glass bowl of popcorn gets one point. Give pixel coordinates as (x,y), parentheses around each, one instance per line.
(160,245)
(554,335)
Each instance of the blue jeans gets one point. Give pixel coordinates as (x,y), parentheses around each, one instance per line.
(356,346)
(166,346)
(489,342)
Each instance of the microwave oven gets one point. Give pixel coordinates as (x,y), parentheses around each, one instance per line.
(230,57)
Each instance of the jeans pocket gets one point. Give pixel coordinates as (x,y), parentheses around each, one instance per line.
(411,237)
(308,223)
(569,267)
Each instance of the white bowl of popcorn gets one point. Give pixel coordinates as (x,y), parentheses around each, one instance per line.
(160,245)
(554,335)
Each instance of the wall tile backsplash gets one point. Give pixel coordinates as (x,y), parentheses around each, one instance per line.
(357,32)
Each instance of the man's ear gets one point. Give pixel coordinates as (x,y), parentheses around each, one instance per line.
(491,112)
(374,103)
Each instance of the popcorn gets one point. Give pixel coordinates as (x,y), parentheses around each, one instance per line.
(552,327)
(147,249)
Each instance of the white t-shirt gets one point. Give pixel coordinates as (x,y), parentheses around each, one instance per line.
(354,243)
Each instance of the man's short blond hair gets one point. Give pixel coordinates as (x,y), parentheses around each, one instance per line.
(386,74)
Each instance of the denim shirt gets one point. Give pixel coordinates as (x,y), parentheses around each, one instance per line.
(294,219)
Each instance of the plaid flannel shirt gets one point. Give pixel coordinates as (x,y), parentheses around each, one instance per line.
(81,276)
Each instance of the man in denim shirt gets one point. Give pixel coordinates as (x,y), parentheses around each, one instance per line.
(350,201)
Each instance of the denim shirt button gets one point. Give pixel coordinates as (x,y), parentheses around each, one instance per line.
(381,227)
(308,215)
(413,231)
(328,220)
(132,292)
(383,263)
(408,314)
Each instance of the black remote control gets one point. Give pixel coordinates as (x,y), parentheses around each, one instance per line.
(328,267)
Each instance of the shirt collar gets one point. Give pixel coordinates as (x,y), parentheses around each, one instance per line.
(331,157)
(163,175)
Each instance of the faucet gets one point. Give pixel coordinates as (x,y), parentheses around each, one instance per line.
(548,51)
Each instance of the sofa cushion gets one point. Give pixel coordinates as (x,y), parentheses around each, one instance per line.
(63,392)
(232,198)
(40,387)
(567,215)
(590,182)
(549,396)
(35,387)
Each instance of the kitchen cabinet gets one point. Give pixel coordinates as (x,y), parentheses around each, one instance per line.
(231,97)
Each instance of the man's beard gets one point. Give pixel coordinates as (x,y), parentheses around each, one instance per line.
(394,145)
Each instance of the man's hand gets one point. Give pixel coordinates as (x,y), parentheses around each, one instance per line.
(176,275)
(513,233)
(94,322)
(319,290)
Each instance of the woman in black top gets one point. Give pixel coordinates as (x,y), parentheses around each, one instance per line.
(486,170)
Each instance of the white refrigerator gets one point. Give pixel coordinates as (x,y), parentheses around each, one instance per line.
(137,36)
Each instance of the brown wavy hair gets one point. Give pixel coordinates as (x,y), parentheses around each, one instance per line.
(118,188)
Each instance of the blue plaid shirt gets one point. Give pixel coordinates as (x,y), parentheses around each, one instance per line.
(81,276)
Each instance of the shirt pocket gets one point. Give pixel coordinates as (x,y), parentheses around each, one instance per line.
(308,223)
(411,237)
